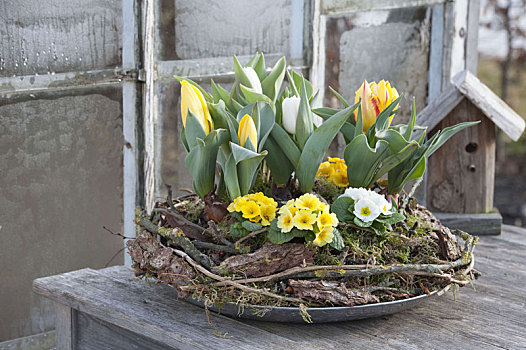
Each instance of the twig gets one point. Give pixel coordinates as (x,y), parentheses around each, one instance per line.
(411,193)
(222,248)
(117,233)
(226,280)
(170,199)
(179,239)
(250,235)
(113,257)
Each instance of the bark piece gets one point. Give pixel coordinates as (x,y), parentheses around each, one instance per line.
(449,247)
(269,259)
(332,291)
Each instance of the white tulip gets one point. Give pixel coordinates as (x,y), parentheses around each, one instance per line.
(366,210)
(289,108)
(254,79)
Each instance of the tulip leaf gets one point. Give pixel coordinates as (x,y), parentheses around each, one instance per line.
(363,161)
(280,167)
(247,163)
(299,81)
(325,112)
(240,74)
(201,160)
(396,141)
(219,114)
(292,84)
(408,133)
(265,122)
(230,177)
(359,122)
(252,96)
(304,122)
(193,130)
(252,61)
(317,145)
(218,93)
(348,130)
(393,160)
(261,68)
(288,147)
(340,97)
(384,117)
(272,83)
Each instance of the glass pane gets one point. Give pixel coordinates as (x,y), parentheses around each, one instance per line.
(46,36)
(391,45)
(210,28)
(61,161)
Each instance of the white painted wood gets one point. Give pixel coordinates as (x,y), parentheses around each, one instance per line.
(472,36)
(458,46)
(490,104)
(317,75)
(296,28)
(336,7)
(436,52)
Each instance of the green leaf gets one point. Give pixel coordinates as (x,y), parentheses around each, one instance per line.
(341,206)
(288,147)
(252,61)
(230,176)
(363,161)
(348,130)
(219,114)
(218,93)
(300,82)
(391,219)
(340,97)
(292,84)
(304,122)
(378,228)
(252,96)
(265,122)
(394,160)
(252,226)
(337,240)
(325,112)
(241,77)
(361,223)
(317,145)
(247,165)
(261,68)
(382,120)
(274,234)
(280,167)
(359,122)
(237,216)
(193,130)
(272,83)
(408,134)
(201,160)
(237,230)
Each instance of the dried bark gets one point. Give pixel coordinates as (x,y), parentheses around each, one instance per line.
(151,256)
(334,292)
(269,259)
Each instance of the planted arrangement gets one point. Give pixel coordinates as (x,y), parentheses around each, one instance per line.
(274,222)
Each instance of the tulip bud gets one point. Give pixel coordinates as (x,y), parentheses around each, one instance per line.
(289,108)
(247,129)
(254,79)
(375,98)
(192,99)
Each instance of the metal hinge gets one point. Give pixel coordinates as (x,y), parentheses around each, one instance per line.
(138,75)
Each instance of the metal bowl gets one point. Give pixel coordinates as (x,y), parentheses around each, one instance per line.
(317,314)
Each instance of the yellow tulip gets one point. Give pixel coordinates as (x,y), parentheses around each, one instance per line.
(192,99)
(247,129)
(375,98)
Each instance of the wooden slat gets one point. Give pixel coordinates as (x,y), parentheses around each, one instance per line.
(65,324)
(475,224)
(440,107)
(153,312)
(493,107)
(338,7)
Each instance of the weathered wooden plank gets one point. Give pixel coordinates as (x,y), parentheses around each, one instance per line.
(475,224)
(65,325)
(472,38)
(153,312)
(336,7)
(441,106)
(488,102)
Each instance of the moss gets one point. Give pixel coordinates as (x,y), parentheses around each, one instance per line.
(327,189)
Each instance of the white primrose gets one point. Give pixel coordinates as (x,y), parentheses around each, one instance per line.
(356,193)
(366,210)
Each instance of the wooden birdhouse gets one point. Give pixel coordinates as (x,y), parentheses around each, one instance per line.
(460,176)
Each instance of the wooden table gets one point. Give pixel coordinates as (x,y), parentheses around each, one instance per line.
(109,309)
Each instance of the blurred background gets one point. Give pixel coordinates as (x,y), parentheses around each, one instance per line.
(89,111)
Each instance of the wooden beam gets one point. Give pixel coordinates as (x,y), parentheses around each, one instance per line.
(490,104)
(439,108)
(474,224)
(338,7)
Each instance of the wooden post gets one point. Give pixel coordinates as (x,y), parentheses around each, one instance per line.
(65,325)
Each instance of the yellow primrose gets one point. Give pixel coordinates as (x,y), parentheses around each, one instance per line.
(247,130)
(374,99)
(336,160)
(326,219)
(340,179)
(304,219)
(285,222)
(308,201)
(268,213)
(286,207)
(250,209)
(326,170)
(192,99)
(324,236)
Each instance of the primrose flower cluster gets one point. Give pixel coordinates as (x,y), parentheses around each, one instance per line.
(256,207)
(368,205)
(308,213)
(334,171)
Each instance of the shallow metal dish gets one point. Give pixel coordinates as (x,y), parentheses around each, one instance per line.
(318,314)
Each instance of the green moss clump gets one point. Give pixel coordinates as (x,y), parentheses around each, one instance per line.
(327,189)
